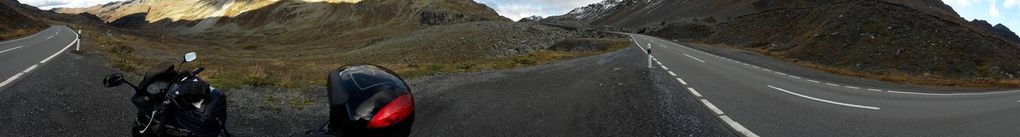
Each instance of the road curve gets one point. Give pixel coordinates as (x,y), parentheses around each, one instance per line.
(21,56)
(758,96)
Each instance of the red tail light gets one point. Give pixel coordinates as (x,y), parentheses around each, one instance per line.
(394,112)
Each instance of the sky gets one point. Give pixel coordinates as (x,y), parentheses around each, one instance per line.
(1006,12)
(517,9)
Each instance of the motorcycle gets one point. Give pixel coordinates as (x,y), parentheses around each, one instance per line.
(367,100)
(364,100)
(175,102)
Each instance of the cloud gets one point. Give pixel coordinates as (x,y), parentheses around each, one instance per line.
(1011,3)
(517,9)
(993,10)
(49,4)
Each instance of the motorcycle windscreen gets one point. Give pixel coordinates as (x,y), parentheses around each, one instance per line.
(363,91)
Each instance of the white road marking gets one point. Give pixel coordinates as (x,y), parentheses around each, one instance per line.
(695,92)
(781,73)
(852,87)
(702,61)
(663,67)
(9,80)
(736,126)
(50,37)
(768,70)
(826,101)
(871,89)
(830,84)
(712,107)
(58,52)
(950,94)
(815,81)
(681,81)
(30,68)
(794,77)
(671,73)
(10,49)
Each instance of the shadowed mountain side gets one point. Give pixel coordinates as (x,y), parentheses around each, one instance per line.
(875,37)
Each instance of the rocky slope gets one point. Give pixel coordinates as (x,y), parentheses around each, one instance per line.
(876,37)
(997,30)
(14,23)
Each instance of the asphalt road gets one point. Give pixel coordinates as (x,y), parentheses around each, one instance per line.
(20,57)
(606,95)
(759,96)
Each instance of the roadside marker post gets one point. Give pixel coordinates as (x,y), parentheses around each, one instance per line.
(78,47)
(649,51)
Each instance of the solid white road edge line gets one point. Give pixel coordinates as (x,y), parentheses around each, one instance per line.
(58,52)
(10,49)
(695,92)
(681,81)
(702,61)
(712,107)
(736,126)
(826,101)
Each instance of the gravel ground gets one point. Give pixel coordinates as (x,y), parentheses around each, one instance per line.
(65,97)
(605,95)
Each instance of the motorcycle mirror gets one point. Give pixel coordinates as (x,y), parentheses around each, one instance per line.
(113,80)
(191,56)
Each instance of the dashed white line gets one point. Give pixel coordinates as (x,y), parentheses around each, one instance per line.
(768,70)
(852,87)
(824,100)
(681,81)
(702,61)
(50,37)
(671,73)
(871,89)
(663,67)
(794,77)
(815,81)
(10,49)
(695,92)
(9,80)
(712,107)
(781,73)
(830,84)
(756,67)
(736,126)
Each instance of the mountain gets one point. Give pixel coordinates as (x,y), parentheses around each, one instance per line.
(273,18)
(14,22)
(997,30)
